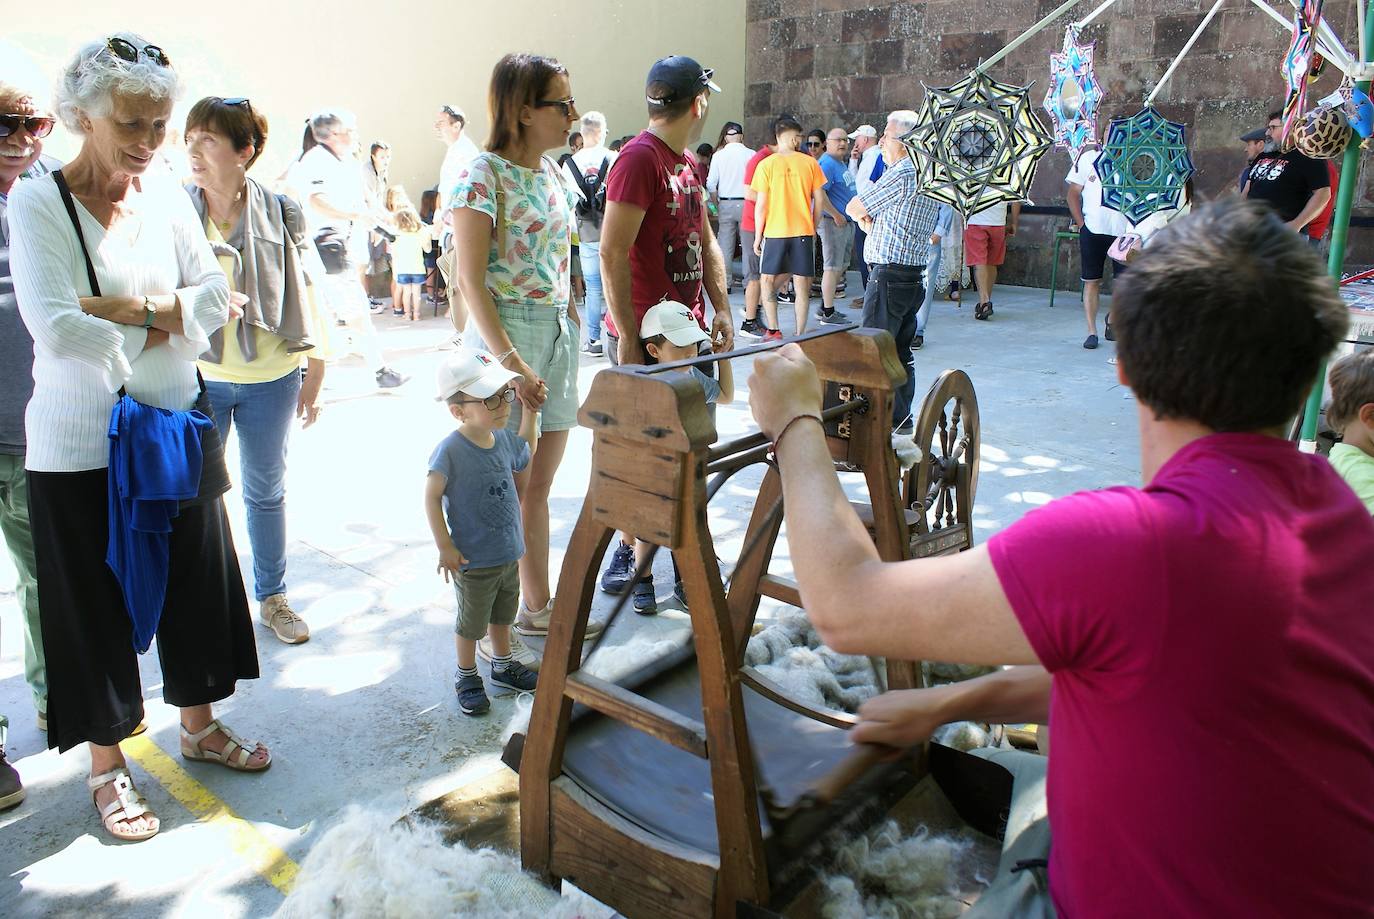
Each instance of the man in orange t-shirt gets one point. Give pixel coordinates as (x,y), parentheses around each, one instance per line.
(791,195)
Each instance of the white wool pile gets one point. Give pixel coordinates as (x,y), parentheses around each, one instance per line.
(790,654)
(893,875)
(368,867)
(964,735)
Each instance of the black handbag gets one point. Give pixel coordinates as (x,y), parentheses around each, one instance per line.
(333,250)
(214,474)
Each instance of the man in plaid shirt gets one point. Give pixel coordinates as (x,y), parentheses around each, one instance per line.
(899,222)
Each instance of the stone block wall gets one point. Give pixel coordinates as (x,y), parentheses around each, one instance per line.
(846,62)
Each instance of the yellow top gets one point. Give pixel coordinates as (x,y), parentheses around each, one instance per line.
(790,181)
(273,361)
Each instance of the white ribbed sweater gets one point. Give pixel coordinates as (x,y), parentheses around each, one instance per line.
(80,361)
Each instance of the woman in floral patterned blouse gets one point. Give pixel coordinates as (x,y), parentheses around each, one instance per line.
(515,234)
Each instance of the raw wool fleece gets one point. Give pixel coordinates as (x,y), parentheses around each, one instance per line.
(891,875)
(369,867)
(790,654)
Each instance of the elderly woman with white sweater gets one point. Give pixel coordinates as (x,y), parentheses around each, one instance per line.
(120,290)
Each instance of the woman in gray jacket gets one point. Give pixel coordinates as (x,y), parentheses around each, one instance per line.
(253,368)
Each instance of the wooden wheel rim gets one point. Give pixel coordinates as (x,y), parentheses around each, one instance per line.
(949,415)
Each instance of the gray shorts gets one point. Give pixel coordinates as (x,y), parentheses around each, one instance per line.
(1019,889)
(751,261)
(835,244)
(546,339)
(486,596)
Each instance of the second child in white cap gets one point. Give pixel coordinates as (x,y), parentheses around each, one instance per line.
(669,333)
(474,514)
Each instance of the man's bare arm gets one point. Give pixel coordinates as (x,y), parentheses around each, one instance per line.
(619,228)
(907,717)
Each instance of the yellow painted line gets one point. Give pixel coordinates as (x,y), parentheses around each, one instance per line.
(247,841)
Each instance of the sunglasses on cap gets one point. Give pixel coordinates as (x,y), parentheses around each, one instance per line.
(733,133)
(37,125)
(448,110)
(127,51)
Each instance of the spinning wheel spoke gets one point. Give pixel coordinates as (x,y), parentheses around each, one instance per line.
(947,432)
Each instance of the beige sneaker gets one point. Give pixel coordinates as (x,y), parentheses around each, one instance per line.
(278,616)
(535,623)
(519,652)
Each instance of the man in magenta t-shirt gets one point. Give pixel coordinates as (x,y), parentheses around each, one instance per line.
(1202,647)
(656,243)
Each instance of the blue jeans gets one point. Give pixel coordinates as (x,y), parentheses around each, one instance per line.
(263,413)
(932,274)
(590,253)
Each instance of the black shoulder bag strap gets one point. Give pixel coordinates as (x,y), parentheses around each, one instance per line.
(70,204)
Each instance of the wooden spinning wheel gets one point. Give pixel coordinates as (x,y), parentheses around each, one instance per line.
(939,488)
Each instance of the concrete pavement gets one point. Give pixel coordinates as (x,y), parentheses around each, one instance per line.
(365,712)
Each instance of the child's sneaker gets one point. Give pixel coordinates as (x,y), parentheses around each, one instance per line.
(680,593)
(621,569)
(514,675)
(472,695)
(645,603)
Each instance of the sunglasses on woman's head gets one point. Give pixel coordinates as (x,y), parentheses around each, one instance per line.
(493,402)
(127,51)
(566,105)
(36,125)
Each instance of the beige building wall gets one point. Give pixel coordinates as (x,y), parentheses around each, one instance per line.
(392,63)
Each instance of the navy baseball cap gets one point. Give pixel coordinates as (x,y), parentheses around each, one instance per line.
(683,76)
(1255,135)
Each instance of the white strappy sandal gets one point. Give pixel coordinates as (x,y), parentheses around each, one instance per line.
(127,805)
(236,752)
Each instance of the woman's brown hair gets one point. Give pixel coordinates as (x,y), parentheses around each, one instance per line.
(235,119)
(517,80)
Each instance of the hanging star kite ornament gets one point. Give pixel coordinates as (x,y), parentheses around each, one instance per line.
(1074,94)
(976,143)
(1144,164)
(1297,64)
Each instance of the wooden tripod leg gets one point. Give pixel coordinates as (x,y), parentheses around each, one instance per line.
(743,867)
(743,600)
(542,759)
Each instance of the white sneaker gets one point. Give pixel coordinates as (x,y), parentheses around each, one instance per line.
(519,652)
(535,623)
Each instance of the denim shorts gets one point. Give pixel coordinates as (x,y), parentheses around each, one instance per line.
(410,279)
(486,596)
(546,339)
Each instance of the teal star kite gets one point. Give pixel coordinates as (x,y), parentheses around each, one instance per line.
(1144,164)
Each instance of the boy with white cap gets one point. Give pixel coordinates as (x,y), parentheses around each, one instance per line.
(474,514)
(669,332)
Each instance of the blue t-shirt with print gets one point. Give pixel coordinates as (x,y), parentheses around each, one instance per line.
(839,184)
(479,496)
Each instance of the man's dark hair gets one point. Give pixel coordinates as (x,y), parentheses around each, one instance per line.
(1224,319)
(669,111)
(1274,116)
(1352,386)
(785,123)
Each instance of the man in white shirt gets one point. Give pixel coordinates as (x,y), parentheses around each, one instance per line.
(1098,227)
(725,183)
(338,210)
(985,248)
(449,126)
(586,170)
(863,159)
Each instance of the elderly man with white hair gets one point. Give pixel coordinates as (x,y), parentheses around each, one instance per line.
(120,290)
(586,170)
(899,221)
(331,181)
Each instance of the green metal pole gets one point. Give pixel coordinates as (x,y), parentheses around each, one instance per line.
(1340,227)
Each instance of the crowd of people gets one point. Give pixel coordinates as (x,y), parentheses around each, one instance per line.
(143,321)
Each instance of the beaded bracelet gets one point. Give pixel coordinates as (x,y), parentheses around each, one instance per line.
(785,428)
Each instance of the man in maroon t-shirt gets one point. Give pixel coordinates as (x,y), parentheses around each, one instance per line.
(1202,648)
(656,243)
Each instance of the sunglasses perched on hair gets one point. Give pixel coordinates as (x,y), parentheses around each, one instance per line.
(37,125)
(567,106)
(127,51)
(493,402)
(237,100)
(448,110)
